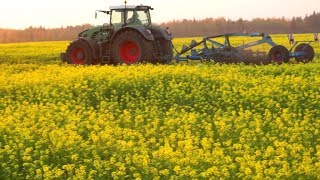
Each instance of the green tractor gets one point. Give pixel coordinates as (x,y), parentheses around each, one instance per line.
(129,38)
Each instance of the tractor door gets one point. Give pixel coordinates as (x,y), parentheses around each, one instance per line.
(117,19)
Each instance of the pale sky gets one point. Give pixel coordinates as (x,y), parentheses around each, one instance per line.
(20,14)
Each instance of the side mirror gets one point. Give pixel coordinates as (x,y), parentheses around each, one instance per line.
(316,39)
(291,39)
(106,12)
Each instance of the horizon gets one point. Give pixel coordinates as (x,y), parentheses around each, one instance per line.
(64,26)
(34,13)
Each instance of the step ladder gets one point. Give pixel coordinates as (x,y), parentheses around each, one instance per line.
(105,53)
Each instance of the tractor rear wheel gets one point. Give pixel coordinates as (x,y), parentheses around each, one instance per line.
(278,54)
(308,53)
(166,50)
(131,47)
(79,52)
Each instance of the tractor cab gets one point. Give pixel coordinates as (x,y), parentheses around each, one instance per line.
(130,15)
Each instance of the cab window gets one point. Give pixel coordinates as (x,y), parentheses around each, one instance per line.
(143,16)
(117,17)
(130,17)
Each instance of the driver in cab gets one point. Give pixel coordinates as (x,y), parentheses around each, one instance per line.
(134,19)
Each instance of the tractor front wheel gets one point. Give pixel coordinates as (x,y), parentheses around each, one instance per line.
(131,47)
(278,54)
(79,52)
(307,53)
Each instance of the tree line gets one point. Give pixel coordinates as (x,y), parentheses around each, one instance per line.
(41,34)
(179,28)
(211,26)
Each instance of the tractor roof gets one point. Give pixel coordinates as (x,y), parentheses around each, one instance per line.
(139,7)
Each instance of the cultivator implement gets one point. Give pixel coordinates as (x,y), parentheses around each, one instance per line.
(209,49)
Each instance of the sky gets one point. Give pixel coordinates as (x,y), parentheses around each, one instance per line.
(20,14)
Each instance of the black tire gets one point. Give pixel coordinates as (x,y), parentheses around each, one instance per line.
(166,51)
(308,53)
(131,47)
(278,54)
(79,52)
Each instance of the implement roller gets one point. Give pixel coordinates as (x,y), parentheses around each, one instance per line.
(212,50)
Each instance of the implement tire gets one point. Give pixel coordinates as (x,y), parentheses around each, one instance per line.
(278,54)
(131,47)
(308,53)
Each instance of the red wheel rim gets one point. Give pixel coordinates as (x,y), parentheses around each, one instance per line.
(129,52)
(277,56)
(78,56)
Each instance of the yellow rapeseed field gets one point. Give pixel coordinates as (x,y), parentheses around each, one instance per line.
(156,121)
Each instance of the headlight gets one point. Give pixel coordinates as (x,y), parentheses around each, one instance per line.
(168,32)
(148,31)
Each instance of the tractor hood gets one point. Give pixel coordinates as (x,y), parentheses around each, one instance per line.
(90,32)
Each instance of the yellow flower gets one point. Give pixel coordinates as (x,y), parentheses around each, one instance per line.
(247,171)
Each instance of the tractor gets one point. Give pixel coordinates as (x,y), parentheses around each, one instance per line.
(129,38)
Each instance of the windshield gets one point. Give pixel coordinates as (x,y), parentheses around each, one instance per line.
(143,17)
(135,17)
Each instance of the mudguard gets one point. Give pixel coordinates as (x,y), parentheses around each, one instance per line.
(144,31)
(165,33)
